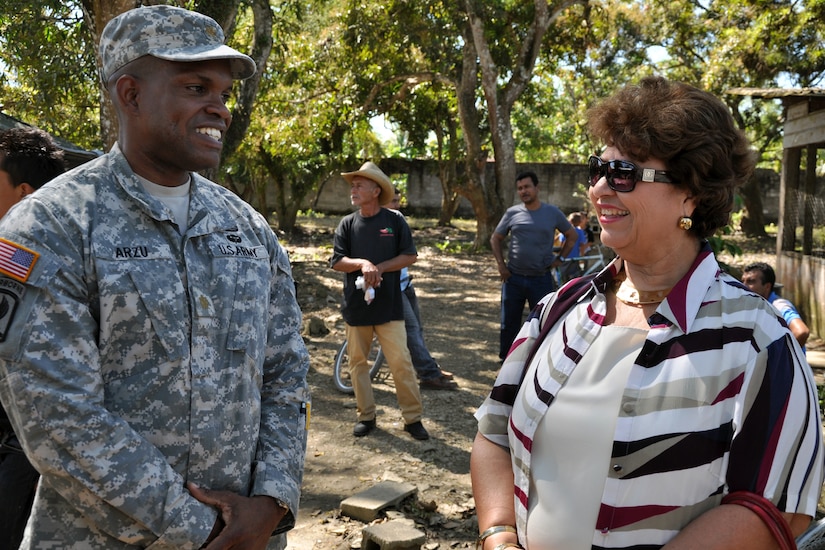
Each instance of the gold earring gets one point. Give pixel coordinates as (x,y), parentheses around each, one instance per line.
(685,223)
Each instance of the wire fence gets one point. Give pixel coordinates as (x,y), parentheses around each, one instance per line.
(806,210)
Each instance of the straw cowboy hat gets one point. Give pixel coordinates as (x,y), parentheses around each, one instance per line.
(372,172)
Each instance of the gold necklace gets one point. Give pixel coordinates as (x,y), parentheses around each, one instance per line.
(637,298)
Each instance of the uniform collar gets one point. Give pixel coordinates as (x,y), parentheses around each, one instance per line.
(206,213)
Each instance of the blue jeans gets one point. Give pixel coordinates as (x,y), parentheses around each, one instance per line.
(514,292)
(425,366)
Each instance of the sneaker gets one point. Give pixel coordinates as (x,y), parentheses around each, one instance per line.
(363,427)
(447,374)
(440,383)
(416,429)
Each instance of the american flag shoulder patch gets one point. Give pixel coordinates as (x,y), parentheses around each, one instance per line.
(16,261)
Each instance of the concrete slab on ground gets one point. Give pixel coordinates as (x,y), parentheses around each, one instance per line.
(367,504)
(392,535)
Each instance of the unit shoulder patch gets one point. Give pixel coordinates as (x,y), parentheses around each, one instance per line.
(11,293)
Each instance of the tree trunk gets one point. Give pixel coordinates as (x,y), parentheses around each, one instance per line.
(287,204)
(500,101)
(97,13)
(753,220)
(504,146)
(449,197)
(486,218)
(474,186)
(248,89)
(447,172)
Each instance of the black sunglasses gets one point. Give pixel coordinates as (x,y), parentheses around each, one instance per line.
(622,175)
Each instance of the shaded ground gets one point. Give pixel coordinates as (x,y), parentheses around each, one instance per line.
(459,299)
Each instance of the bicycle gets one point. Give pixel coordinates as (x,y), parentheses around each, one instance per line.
(340,371)
(599,262)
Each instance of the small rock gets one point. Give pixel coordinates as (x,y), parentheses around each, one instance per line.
(315,327)
(430,506)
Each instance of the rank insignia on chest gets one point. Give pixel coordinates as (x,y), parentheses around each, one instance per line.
(16,261)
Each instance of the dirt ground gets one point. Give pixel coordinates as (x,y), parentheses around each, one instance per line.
(459,300)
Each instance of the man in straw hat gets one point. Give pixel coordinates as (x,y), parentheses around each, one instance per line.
(153,367)
(371,246)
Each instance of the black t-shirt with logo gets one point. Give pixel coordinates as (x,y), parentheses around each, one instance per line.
(377,238)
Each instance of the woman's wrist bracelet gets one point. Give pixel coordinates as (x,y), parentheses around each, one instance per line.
(494,530)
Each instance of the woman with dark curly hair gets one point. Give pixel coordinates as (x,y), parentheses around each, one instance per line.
(659,403)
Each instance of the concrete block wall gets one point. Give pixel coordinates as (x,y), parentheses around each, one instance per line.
(559,184)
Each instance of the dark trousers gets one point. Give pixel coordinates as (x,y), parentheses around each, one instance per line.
(514,292)
(18,481)
(425,365)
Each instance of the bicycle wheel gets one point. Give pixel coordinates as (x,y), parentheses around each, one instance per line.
(340,371)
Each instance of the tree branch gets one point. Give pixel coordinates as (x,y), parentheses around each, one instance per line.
(409,81)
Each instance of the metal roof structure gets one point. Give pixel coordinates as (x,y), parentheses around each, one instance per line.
(777,93)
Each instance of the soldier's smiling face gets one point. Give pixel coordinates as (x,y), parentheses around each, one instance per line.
(182,118)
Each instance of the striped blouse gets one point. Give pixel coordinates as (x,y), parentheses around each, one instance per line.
(719,399)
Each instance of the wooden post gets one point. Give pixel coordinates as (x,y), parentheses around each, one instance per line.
(788,187)
(810,192)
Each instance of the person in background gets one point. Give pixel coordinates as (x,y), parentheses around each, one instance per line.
(370,247)
(761,278)
(430,374)
(526,275)
(151,361)
(658,403)
(28,159)
(577,219)
(572,268)
(589,237)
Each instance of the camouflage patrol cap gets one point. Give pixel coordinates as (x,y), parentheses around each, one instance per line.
(170,33)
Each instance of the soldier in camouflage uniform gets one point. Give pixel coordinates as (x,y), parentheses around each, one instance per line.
(151,360)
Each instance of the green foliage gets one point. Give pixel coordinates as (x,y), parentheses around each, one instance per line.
(716,45)
(401,70)
(719,244)
(49,75)
(310,213)
(449,246)
(820,391)
(306,124)
(337,63)
(719,45)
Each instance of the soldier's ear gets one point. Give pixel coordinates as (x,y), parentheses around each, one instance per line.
(127,89)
